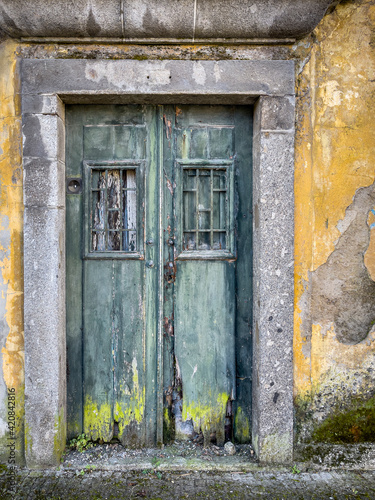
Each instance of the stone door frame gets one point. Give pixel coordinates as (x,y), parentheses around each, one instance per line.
(47,85)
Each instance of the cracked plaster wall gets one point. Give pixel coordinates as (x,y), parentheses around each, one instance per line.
(334,194)
(11,267)
(335,199)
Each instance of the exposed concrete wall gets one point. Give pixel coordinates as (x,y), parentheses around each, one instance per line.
(335,235)
(11,266)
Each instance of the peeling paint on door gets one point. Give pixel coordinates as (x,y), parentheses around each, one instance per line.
(114,296)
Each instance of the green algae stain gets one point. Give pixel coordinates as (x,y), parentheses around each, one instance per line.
(356,425)
(59,439)
(28,440)
(242,426)
(168,425)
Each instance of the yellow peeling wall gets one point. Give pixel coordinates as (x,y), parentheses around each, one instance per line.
(335,236)
(11,267)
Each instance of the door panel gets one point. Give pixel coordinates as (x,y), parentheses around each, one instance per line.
(159,272)
(204,343)
(98,338)
(212,160)
(242,405)
(110,150)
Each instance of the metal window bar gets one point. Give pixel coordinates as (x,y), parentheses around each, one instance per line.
(121,177)
(98,231)
(106,209)
(197,230)
(129,210)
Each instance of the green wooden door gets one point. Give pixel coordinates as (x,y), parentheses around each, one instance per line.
(159,253)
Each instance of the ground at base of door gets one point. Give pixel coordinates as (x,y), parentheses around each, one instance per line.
(181,470)
(277,483)
(181,455)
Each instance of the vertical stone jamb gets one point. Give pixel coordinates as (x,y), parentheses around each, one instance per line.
(44,279)
(273,279)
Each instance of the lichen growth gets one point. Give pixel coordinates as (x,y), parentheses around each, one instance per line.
(168,426)
(134,409)
(98,420)
(207,417)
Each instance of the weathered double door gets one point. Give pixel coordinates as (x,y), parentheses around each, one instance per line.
(159,251)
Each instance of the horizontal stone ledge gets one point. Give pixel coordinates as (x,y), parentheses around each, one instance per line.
(157,41)
(161,19)
(177,77)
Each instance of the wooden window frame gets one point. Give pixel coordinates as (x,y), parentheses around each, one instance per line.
(139,167)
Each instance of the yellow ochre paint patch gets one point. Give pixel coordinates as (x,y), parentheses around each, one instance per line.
(11,219)
(328,353)
(335,147)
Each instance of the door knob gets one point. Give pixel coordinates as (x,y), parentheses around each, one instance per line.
(150,263)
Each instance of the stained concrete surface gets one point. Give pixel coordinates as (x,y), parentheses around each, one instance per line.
(181,470)
(154,484)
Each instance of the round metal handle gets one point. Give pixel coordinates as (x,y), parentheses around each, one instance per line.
(150,263)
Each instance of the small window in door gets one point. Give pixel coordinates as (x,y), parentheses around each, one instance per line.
(206,209)
(111,211)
